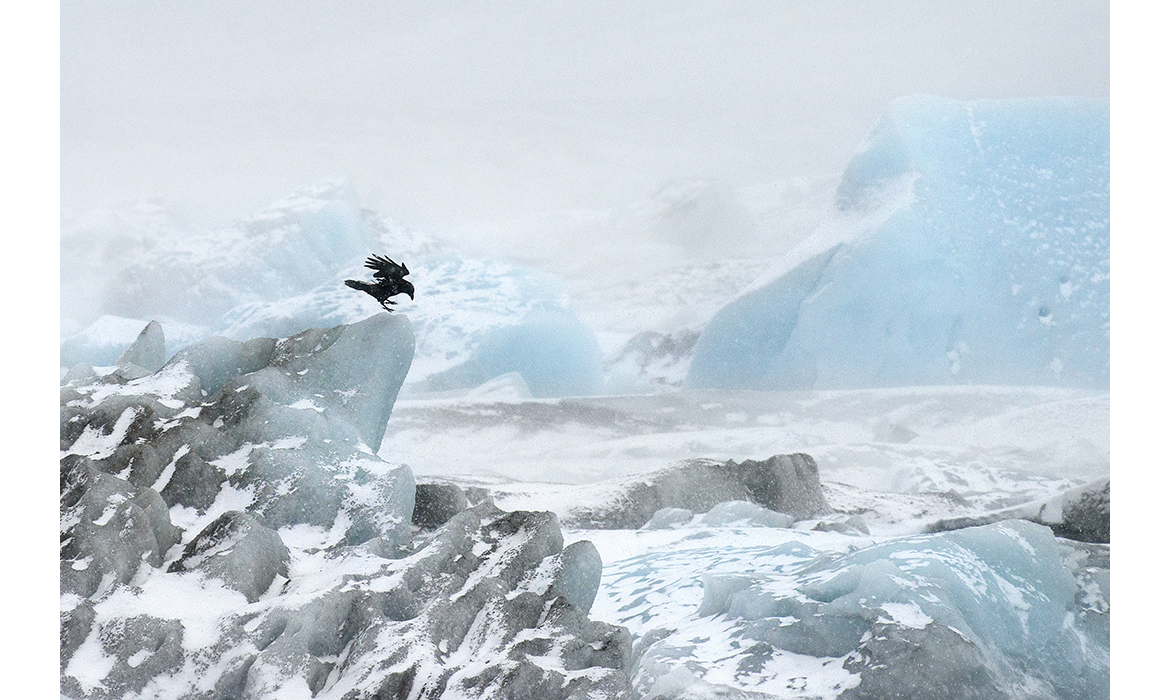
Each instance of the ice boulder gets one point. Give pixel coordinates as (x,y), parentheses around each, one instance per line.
(744,513)
(109,528)
(148,352)
(238,550)
(786,484)
(554,353)
(1081,513)
(435,504)
(103,342)
(999,611)
(283,430)
(970,245)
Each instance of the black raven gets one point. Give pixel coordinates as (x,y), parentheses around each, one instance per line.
(388,280)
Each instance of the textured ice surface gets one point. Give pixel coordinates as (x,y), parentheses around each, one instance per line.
(1005,611)
(237,549)
(971,245)
(492,607)
(148,352)
(284,430)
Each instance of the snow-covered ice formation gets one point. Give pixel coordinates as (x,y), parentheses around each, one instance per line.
(282,271)
(970,246)
(285,429)
(227,531)
(234,525)
(999,611)
(1080,513)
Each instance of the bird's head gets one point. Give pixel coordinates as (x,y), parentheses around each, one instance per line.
(408,288)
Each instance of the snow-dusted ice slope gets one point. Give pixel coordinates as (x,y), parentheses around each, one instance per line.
(970,246)
(282,270)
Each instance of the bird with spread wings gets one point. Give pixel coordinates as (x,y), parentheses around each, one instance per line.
(388,280)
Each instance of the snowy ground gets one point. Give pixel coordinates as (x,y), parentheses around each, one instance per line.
(898,458)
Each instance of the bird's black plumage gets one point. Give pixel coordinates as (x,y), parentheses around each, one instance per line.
(388,280)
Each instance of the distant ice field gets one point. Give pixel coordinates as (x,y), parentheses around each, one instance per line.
(994,446)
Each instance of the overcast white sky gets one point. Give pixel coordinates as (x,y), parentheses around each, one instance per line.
(443,113)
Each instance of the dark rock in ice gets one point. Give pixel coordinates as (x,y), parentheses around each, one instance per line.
(148,352)
(1081,513)
(935,661)
(237,549)
(477,494)
(435,504)
(784,483)
(109,528)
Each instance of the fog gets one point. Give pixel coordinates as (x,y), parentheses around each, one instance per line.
(456,116)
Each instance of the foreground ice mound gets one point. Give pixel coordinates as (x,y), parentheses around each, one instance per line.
(971,245)
(492,607)
(999,611)
(282,429)
(227,531)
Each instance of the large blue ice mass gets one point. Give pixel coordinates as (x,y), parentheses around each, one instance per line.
(969,245)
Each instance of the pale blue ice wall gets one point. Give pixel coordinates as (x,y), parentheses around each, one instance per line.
(996,273)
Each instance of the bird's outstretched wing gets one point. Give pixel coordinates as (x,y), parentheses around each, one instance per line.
(385,268)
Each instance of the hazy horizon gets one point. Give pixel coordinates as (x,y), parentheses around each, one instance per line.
(457,113)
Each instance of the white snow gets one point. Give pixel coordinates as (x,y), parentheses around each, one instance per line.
(95,444)
(907,614)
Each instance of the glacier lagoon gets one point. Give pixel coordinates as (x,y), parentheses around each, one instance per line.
(241,449)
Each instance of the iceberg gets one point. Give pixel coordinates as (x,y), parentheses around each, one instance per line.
(554,353)
(970,245)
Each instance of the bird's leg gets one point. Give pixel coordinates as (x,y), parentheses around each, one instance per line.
(387,307)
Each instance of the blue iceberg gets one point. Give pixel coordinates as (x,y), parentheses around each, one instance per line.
(970,246)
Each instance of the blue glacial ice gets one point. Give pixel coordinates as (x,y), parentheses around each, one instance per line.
(998,611)
(554,353)
(970,246)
